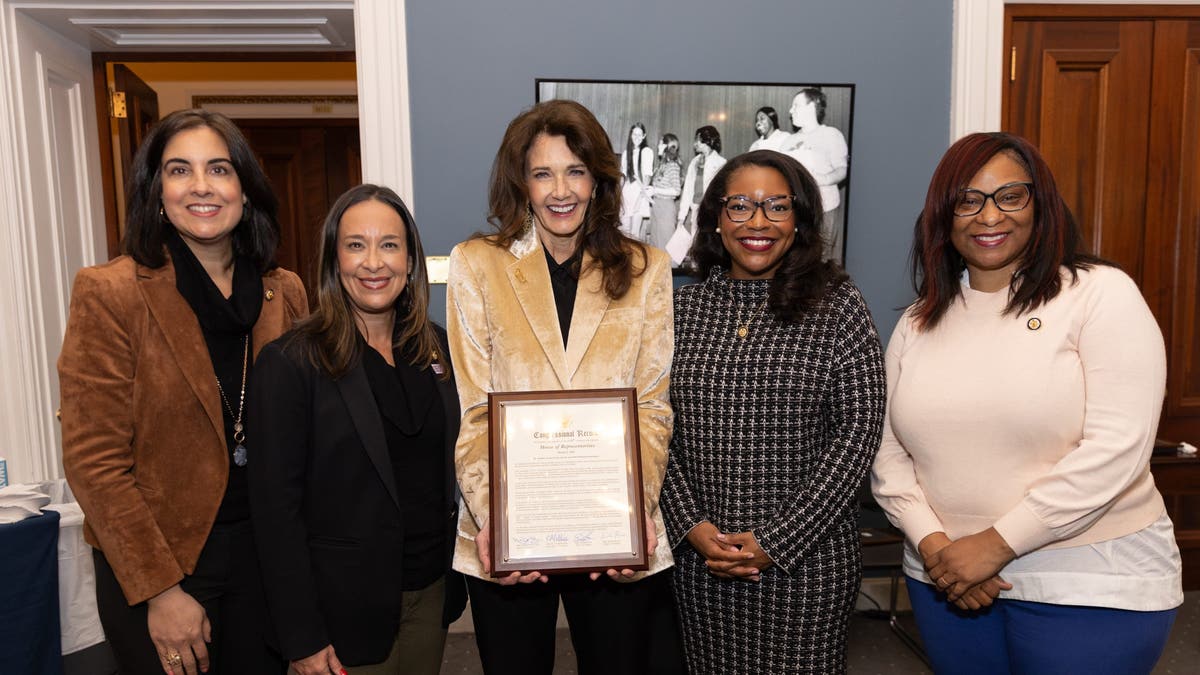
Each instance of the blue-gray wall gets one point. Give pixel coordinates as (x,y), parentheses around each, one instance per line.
(472,66)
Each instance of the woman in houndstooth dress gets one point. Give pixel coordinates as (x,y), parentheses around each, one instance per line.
(778,388)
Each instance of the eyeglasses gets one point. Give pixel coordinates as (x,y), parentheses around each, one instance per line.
(1007,198)
(740,209)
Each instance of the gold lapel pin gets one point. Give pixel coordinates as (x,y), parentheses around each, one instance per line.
(270,294)
(1034,323)
(520,276)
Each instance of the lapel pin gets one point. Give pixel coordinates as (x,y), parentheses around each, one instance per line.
(270,294)
(1034,323)
(520,276)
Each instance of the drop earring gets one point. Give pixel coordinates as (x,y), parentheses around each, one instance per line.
(528,216)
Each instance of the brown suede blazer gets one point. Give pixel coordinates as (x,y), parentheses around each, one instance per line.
(143,437)
(504,336)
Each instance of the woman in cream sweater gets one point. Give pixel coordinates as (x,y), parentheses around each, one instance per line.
(1023,402)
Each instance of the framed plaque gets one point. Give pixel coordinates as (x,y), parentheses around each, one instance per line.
(566,481)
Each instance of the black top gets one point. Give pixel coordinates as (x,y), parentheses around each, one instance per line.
(415,428)
(564,279)
(227,324)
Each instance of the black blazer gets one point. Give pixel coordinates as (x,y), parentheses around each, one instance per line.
(325,509)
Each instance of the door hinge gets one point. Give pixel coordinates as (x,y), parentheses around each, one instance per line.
(116,104)
(1012,65)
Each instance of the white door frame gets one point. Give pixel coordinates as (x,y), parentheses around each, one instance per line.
(28,429)
(977,73)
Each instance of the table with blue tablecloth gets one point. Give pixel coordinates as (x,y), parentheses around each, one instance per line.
(29,629)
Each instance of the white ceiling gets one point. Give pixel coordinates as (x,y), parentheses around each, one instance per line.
(200,26)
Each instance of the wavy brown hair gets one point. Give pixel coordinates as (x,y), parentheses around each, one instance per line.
(508,197)
(1054,243)
(334,339)
(803,276)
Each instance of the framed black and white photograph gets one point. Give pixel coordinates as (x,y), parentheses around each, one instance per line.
(673,137)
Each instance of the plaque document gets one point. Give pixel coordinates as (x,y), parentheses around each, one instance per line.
(566,481)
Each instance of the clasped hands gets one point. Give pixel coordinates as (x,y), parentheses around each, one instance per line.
(966,570)
(483,547)
(729,555)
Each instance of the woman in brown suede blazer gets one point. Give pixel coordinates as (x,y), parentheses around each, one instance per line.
(153,372)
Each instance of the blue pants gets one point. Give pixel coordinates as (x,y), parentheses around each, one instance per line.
(1030,638)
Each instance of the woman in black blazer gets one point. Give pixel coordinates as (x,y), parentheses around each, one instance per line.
(352,481)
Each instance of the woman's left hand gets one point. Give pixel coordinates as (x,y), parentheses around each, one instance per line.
(651,546)
(749,568)
(967,562)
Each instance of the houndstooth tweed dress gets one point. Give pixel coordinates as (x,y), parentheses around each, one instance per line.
(773,433)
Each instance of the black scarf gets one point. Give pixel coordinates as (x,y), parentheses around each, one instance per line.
(235,315)
(227,325)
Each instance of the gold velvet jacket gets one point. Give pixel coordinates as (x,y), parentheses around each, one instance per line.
(504,336)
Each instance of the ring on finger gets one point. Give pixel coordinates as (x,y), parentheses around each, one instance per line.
(174,659)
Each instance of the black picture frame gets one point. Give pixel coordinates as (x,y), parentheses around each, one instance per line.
(681,108)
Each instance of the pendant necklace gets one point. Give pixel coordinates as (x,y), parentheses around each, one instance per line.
(239,434)
(743,329)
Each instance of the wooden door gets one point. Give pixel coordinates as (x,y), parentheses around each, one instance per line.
(1111,94)
(1080,95)
(140,115)
(310,163)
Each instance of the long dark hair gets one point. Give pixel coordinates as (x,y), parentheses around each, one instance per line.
(508,199)
(803,277)
(1054,243)
(255,237)
(633,154)
(332,328)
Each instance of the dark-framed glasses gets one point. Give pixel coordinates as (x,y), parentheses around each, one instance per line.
(1007,198)
(739,209)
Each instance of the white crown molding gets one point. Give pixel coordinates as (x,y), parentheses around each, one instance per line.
(384,117)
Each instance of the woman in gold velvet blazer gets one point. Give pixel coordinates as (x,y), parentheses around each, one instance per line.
(558,298)
(153,373)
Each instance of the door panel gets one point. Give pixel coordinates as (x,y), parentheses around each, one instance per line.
(310,163)
(1185,375)
(1084,105)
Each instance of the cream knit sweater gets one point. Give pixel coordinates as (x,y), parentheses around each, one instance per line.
(1040,425)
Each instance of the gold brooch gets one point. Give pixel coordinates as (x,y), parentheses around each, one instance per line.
(1034,323)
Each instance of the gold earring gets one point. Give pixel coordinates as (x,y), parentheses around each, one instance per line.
(528,215)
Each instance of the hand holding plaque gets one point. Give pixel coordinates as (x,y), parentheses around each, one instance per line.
(566,482)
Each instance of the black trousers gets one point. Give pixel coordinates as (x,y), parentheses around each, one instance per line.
(226,582)
(616,628)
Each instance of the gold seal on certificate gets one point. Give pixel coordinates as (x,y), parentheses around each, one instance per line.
(566,481)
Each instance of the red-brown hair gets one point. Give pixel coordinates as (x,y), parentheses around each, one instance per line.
(1055,241)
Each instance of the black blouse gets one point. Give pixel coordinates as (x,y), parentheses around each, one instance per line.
(414,424)
(564,280)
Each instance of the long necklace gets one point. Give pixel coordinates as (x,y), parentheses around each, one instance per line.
(239,434)
(743,328)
